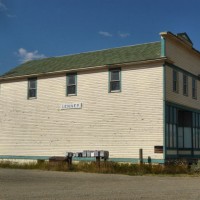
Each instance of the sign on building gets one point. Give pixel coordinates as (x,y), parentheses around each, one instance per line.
(71,106)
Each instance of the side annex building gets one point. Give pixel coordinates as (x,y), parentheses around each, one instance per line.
(121,100)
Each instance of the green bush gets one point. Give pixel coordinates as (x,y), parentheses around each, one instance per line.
(195,167)
(107,167)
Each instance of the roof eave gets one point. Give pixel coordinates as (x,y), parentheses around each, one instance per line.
(161,59)
(178,39)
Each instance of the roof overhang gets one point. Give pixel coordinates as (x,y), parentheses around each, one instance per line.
(180,41)
(159,60)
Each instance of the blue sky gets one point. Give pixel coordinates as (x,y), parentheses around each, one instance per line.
(33,29)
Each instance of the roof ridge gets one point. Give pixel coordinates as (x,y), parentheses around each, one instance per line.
(101,50)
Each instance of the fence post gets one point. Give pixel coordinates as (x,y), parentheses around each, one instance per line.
(141,156)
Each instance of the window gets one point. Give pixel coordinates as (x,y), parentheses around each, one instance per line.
(175,81)
(185,85)
(196,130)
(115,80)
(171,127)
(194,89)
(32,88)
(71,84)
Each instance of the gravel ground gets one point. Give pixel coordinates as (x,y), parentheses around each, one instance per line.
(18,184)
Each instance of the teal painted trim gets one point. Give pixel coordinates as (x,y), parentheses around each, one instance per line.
(109,78)
(184,156)
(135,160)
(83,159)
(109,81)
(182,107)
(25,157)
(128,160)
(164,113)
(163,47)
(177,68)
(75,84)
(36,85)
(120,79)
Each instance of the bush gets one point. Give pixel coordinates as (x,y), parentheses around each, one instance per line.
(107,167)
(195,167)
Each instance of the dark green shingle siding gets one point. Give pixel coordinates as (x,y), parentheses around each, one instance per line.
(91,59)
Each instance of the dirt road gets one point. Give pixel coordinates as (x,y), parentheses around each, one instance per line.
(44,185)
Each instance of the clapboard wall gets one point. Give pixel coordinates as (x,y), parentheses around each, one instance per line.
(121,123)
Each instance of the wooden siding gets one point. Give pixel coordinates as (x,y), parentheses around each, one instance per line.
(188,61)
(118,122)
(183,57)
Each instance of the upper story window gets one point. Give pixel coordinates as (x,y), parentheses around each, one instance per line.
(185,85)
(194,88)
(115,80)
(32,88)
(175,81)
(71,84)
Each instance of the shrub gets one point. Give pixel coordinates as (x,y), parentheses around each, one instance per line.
(107,167)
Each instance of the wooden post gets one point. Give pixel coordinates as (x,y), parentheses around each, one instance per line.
(149,160)
(141,156)
(98,161)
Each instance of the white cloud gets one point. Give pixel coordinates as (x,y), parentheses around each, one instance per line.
(123,35)
(2,6)
(11,16)
(106,34)
(25,56)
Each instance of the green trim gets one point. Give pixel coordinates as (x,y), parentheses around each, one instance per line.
(194,86)
(164,114)
(36,85)
(185,84)
(184,156)
(25,157)
(182,106)
(163,47)
(75,74)
(130,160)
(175,73)
(135,160)
(109,79)
(177,68)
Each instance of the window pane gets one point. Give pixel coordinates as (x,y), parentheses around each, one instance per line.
(194,138)
(32,93)
(194,95)
(71,89)
(115,75)
(198,138)
(167,114)
(114,86)
(187,138)
(167,134)
(180,137)
(71,80)
(32,83)
(193,119)
(185,84)
(174,132)
(170,135)
(175,81)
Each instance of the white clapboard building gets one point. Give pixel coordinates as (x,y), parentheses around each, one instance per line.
(121,100)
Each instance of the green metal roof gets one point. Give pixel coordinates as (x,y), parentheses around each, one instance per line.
(127,54)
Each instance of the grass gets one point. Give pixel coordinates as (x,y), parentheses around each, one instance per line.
(106,167)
